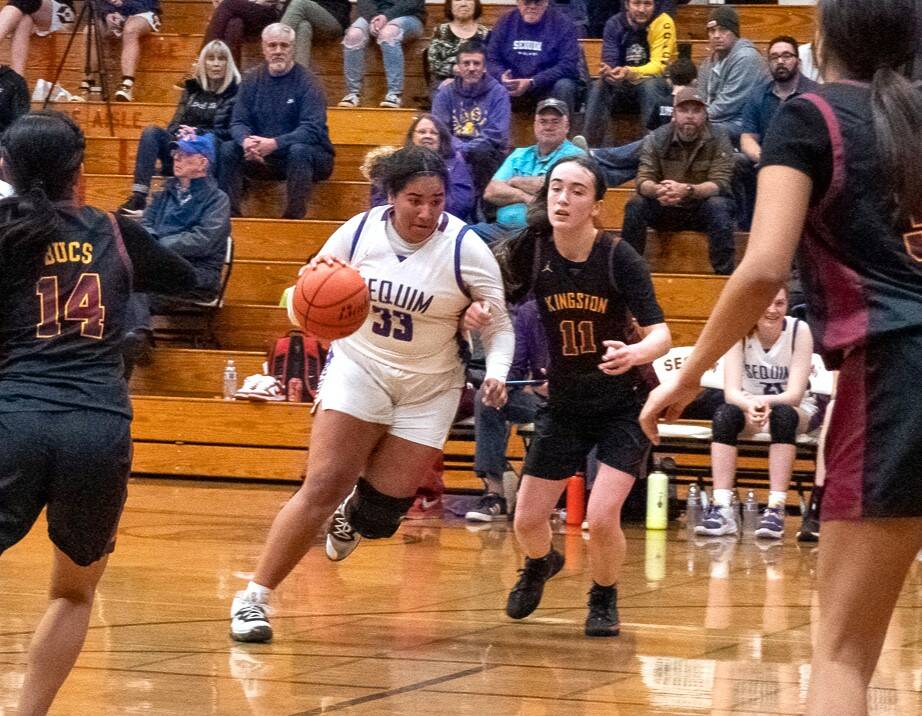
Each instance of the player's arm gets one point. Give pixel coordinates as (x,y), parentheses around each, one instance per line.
(733,378)
(799,374)
(156,269)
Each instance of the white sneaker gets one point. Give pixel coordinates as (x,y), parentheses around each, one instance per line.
(125,92)
(342,539)
(261,389)
(249,619)
(350,100)
(392,100)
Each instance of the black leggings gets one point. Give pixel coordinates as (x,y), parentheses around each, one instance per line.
(729,422)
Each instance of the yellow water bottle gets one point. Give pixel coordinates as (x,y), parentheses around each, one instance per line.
(657,499)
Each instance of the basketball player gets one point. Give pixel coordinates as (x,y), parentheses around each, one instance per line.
(587,284)
(64,411)
(390,391)
(766,376)
(840,166)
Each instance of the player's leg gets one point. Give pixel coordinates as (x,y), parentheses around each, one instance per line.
(22,39)
(862,567)
(607,547)
(785,422)
(61,632)
(13,12)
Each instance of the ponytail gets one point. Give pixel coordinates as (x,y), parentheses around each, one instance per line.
(896,107)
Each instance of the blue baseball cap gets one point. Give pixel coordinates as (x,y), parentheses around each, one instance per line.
(199,144)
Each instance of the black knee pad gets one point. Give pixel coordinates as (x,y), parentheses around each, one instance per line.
(727,424)
(375,515)
(26,7)
(782,424)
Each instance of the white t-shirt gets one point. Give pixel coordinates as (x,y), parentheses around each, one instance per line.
(418,298)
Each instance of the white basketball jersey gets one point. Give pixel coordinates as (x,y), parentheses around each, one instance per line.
(416,300)
(765,372)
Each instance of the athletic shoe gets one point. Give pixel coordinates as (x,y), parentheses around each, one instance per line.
(134,206)
(249,619)
(580,141)
(91,84)
(261,389)
(772,524)
(342,539)
(810,527)
(392,100)
(490,508)
(603,612)
(125,92)
(718,521)
(350,100)
(425,508)
(526,594)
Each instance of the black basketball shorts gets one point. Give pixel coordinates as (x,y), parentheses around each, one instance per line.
(874,444)
(74,462)
(564,438)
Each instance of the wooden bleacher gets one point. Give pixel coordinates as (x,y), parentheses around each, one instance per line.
(182,427)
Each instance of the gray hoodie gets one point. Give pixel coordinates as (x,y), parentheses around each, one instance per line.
(726,84)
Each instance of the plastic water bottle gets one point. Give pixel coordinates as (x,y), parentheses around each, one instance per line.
(230,380)
(693,506)
(750,514)
(657,499)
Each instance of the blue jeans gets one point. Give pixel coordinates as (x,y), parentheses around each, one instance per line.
(564,89)
(618,164)
(154,145)
(715,215)
(391,52)
(606,99)
(491,430)
(492,232)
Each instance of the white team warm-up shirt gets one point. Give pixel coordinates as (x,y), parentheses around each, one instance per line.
(765,372)
(418,299)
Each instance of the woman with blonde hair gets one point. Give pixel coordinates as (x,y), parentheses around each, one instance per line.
(205,106)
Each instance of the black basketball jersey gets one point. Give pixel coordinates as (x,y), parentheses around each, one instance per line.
(861,267)
(583,304)
(62,321)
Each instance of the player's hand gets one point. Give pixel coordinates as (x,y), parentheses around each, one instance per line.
(493,393)
(758,413)
(666,402)
(325,260)
(618,358)
(477,316)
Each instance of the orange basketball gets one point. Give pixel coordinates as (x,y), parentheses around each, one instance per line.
(330,301)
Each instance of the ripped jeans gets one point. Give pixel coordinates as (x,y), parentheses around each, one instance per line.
(391,39)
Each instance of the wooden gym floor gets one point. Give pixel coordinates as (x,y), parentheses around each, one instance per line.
(415,624)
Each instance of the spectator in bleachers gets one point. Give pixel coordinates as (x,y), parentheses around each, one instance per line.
(683,182)
(324,19)
(235,20)
(578,12)
(14,96)
(19,19)
(636,50)
(733,70)
(461,27)
(392,23)
(766,382)
(475,108)
(205,106)
(190,216)
(619,164)
(278,127)
(491,425)
(129,20)
(427,131)
(521,175)
(786,82)
(535,53)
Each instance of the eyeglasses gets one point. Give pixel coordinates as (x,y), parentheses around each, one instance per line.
(782,57)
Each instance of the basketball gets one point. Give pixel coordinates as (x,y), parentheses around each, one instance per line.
(330,301)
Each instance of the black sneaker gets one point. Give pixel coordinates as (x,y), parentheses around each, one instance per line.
(603,612)
(526,594)
(134,206)
(491,507)
(810,527)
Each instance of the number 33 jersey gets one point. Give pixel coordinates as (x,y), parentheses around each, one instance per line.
(419,292)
